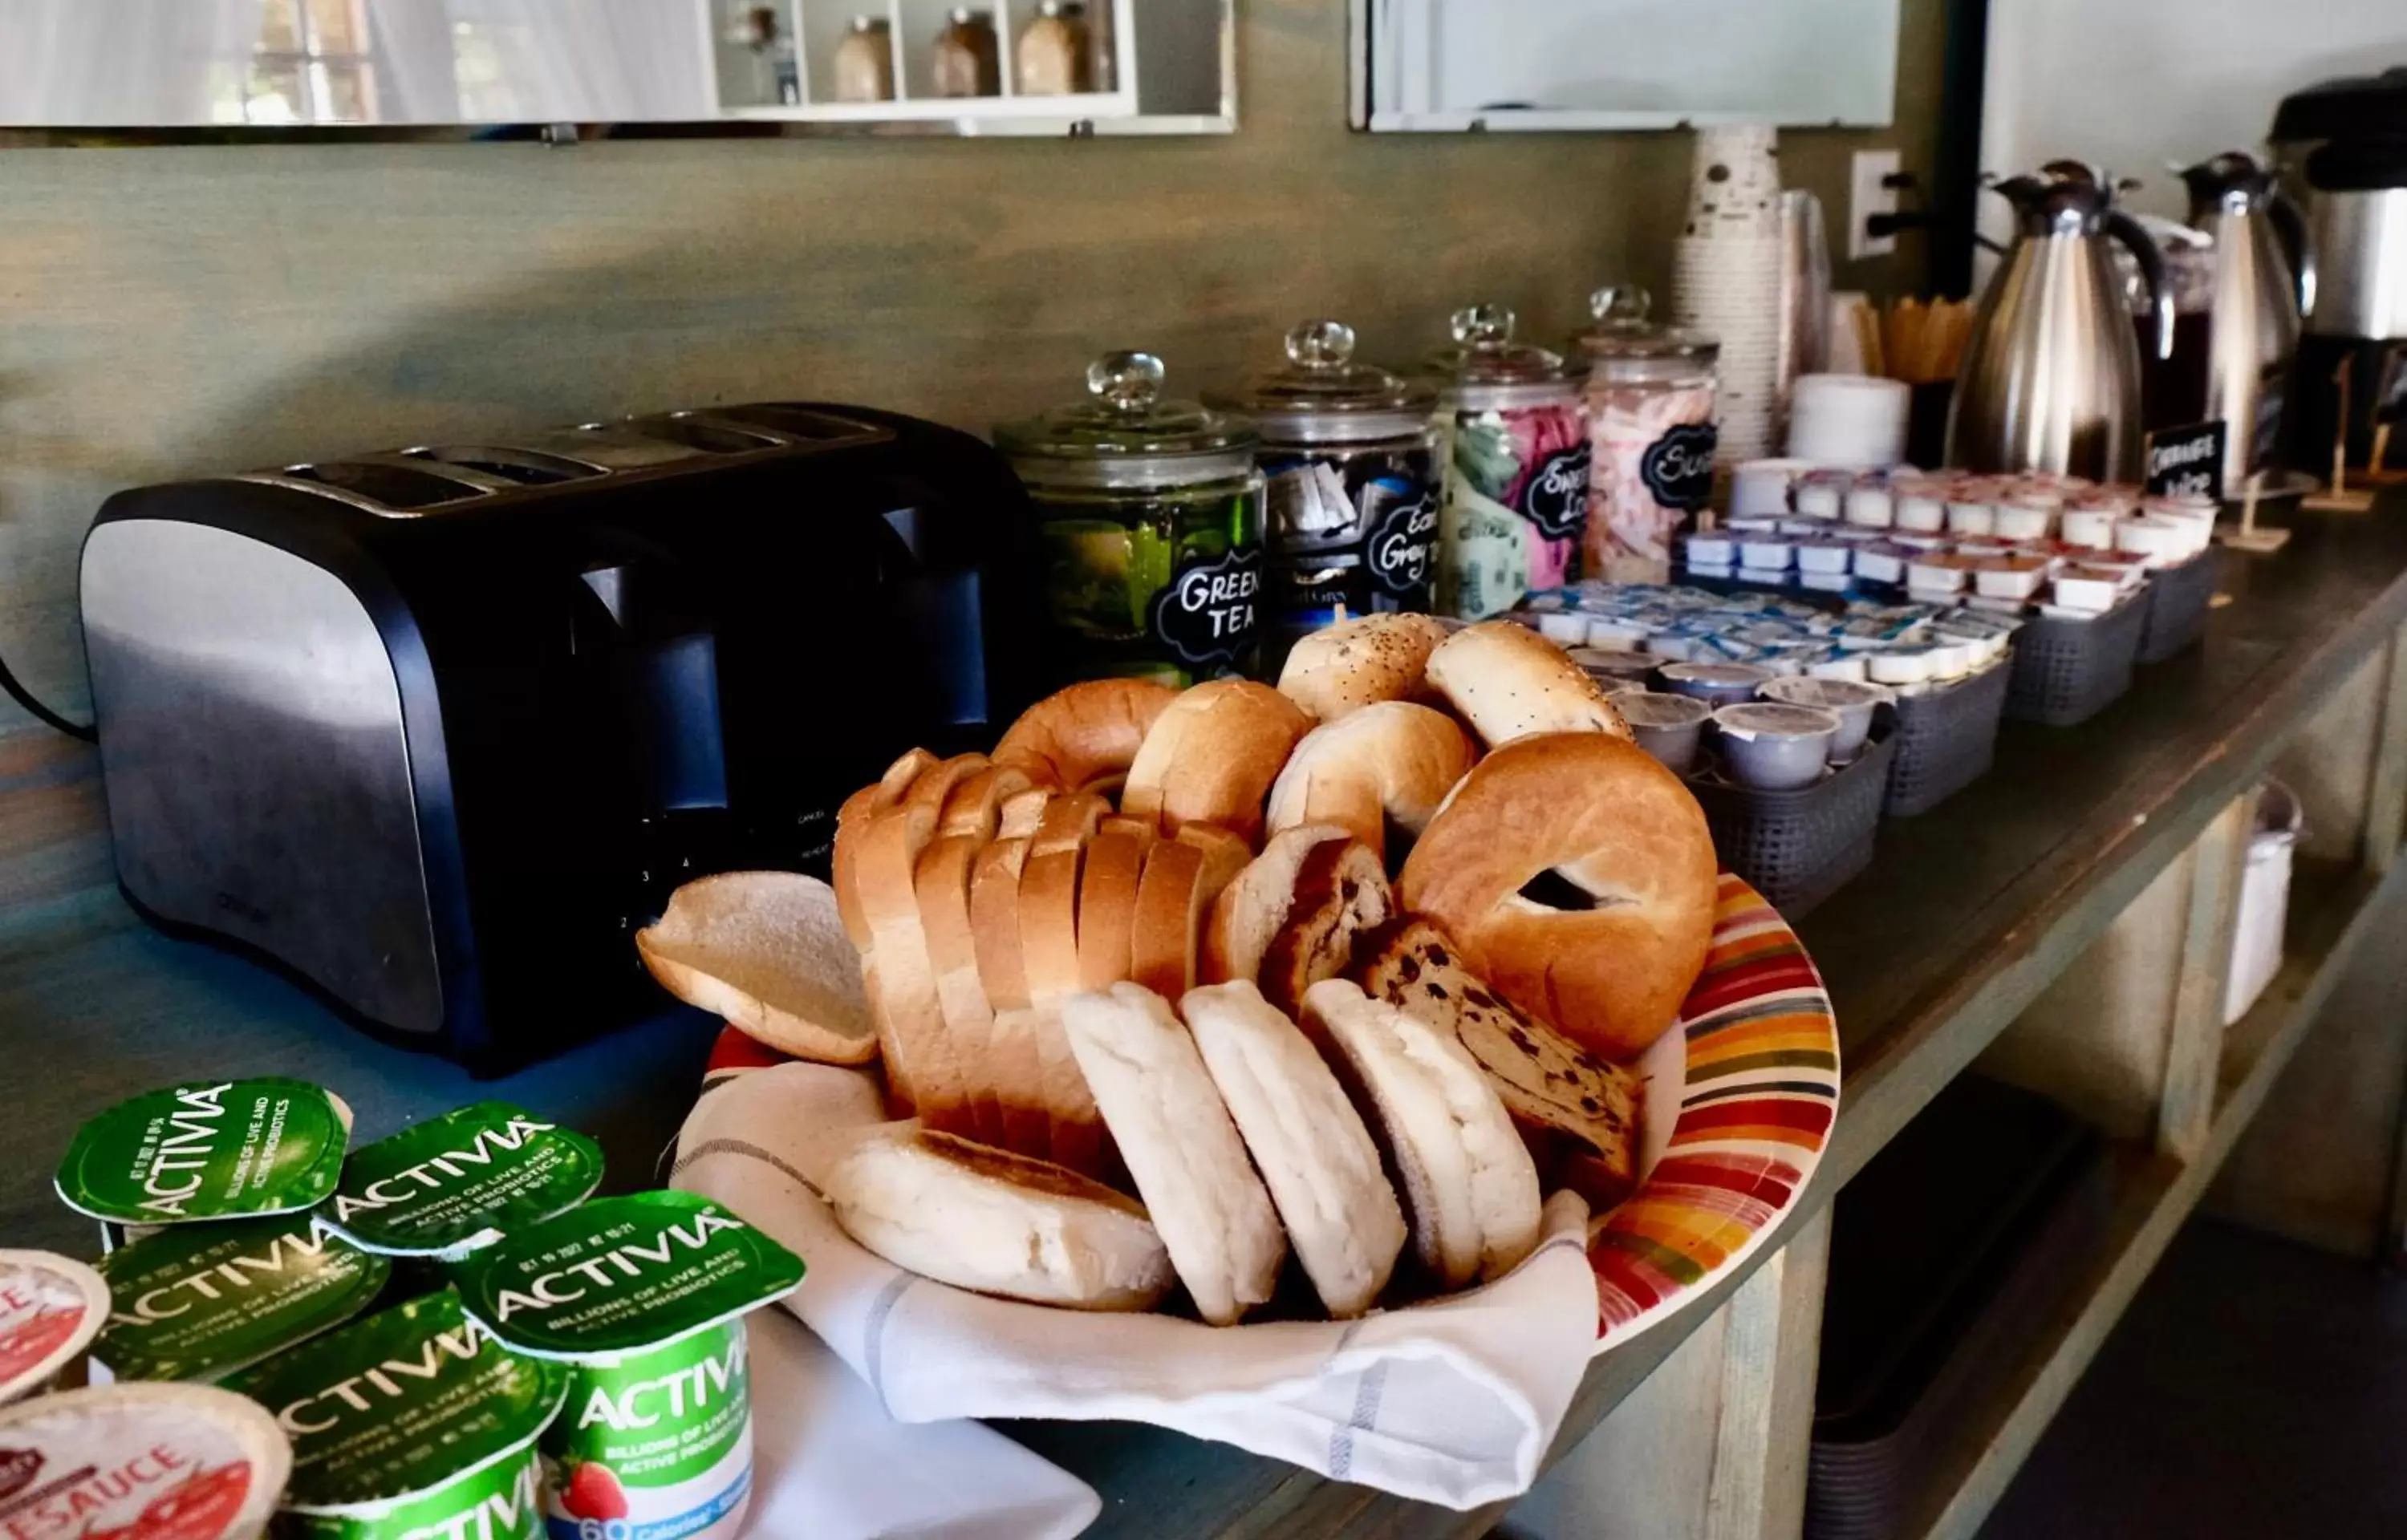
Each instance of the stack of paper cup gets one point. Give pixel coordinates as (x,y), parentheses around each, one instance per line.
(1726,277)
(1855,420)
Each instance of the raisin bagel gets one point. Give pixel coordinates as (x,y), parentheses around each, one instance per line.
(1613,938)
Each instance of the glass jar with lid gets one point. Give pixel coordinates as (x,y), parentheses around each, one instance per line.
(1513,450)
(864,60)
(967,60)
(1650,414)
(1349,458)
(1149,529)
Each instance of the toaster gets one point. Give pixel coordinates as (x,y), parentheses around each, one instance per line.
(435,730)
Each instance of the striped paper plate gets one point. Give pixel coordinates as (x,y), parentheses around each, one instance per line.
(1739,1105)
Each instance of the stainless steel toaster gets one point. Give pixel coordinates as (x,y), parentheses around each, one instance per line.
(435,729)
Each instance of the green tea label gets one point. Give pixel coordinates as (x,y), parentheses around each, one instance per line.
(464,1180)
(624,1275)
(200,1301)
(138,1462)
(397,1413)
(49,1309)
(210,1149)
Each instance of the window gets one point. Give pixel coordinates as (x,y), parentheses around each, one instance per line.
(313,64)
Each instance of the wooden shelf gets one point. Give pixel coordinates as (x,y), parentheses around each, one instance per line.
(2330,914)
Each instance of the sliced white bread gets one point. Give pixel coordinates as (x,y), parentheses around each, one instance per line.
(1553,1087)
(999,1224)
(880,795)
(1136,829)
(1166,937)
(1107,899)
(1310,1145)
(920,1065)
(1182,1150)
(1014,1076)
(934,786)
(975,804)
(942,883)
(1225,853)
(1070,819)
(767,951)
(1467,1179)
(1022,813)
(1048,932)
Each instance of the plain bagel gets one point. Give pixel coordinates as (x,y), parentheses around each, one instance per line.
(1341,669)
(1608,949)
(1391,761)
(1085,737)
(1508,681)
(1212,756)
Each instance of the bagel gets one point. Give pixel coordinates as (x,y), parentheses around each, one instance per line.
(1508,681)
(1341,669)
(1083,738)
(1211,757)
(1627,846)
(1391,761)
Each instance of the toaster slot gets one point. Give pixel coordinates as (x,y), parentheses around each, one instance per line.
(799,422)
(703,433)
(519,466)
(390,488)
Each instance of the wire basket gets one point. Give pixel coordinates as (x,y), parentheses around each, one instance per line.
(1946,739)
(2178,600)
(2066,671)
(1799,847)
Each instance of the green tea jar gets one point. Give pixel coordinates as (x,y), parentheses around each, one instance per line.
(1149,537)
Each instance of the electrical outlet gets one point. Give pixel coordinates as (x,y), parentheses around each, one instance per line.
(1867,195)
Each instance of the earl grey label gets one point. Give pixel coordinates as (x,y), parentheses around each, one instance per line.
(1678,468)
(2185,461)
(1555,498)
(1401,546)
(1209,612)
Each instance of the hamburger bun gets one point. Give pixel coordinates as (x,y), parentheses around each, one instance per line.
(1389,762)
(1341,669)
(767,951)
(1085,737)
(1609,950)
(1508,681)
(1212,755)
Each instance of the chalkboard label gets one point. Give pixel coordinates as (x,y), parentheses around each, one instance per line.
(1555,498)
(1678,468)
(1207,615)
(2184,461)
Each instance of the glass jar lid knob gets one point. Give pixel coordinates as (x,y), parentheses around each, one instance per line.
(1321,346)
(1483,326)
(1126,384)
(1621,305)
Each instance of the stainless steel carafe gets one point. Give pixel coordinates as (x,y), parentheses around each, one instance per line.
(2264,281)
(2051,376)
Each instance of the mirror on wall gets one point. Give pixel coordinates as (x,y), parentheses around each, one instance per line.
(77,70)
(1448,66)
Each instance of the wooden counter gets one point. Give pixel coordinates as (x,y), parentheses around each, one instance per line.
(1966,916)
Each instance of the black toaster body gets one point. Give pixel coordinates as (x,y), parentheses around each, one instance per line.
(435,730)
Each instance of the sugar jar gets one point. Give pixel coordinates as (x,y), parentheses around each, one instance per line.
(1349,458)
(1650,415)
(1514,456)
(1148,535)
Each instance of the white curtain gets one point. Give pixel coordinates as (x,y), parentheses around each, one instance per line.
(600,61)
(120,64)
(417,80)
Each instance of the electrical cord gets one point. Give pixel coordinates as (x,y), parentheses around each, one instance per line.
(25,698)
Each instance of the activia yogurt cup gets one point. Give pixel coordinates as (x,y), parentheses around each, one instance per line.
(139,1462)
(197,1302)
(208,1150)
(412,1424)
(444,1187)
(50,1308)
(644,1297)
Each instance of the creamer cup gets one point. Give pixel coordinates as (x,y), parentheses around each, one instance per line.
(644,1297)
(447,1186)
(413,1424)
(208,1150)
(50,1308)
(139,1462)
(198,1302)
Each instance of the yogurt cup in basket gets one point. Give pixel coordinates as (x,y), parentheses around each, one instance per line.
(139,1462)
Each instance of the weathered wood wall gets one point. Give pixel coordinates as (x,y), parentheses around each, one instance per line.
(164,312)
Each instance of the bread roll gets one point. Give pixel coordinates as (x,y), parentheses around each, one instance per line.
(943,881)
(1469,1182)
(920,1062)
(1306,1140)
(1182,1150)
(1107,898)
(1246,916)
(1636,866)
(1085,736)
(1212,755)
(1389,762)
(1508,681)
(767,951)
(982,1219)
(975,804)
(1341,669)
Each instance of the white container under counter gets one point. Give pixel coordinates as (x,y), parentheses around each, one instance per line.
(1826,557)
(2264,901)
(1759,554)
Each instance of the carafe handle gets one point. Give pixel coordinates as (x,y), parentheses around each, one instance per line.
(2290,229)
(2122,227)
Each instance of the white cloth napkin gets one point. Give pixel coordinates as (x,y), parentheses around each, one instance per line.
(1452,1403)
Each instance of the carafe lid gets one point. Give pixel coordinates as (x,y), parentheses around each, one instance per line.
(1127,435)
(2233,171)
(1325,395)
(2357,107)
(1624,333)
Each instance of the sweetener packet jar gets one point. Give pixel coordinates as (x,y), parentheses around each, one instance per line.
(1651,435)
(643,1297)
(1350,462)
(208,1150)
(1514,449)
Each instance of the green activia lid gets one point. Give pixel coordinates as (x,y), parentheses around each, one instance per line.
(451,1184)
(208,1150)
(401,1402)
(621,1275)
(199,1301)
